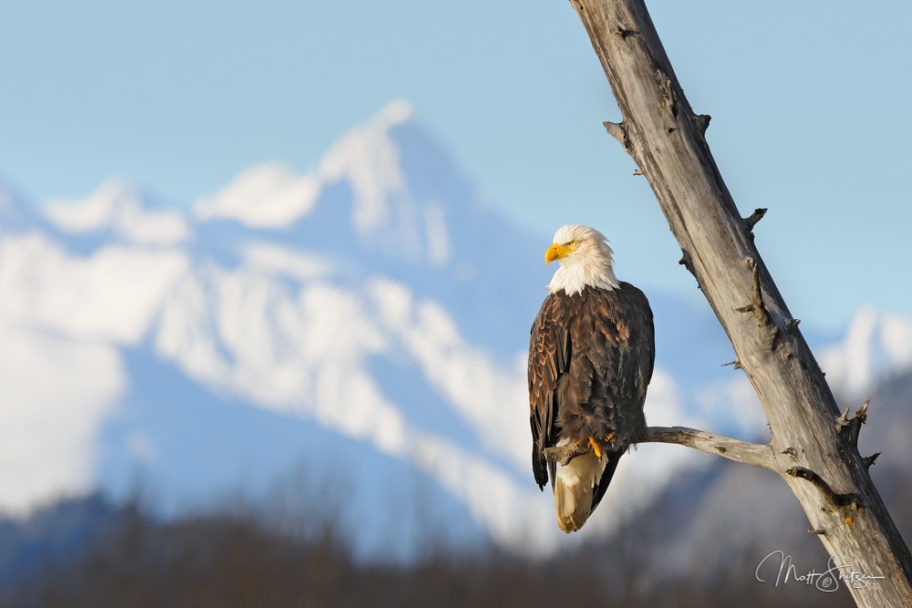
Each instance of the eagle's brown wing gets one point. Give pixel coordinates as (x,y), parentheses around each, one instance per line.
(591,357)
(549,360)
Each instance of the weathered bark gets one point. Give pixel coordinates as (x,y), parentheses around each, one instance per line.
(812,448)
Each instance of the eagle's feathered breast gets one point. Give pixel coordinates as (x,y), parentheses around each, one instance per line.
(591,357)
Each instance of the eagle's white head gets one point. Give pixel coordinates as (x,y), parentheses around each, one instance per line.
(584,257)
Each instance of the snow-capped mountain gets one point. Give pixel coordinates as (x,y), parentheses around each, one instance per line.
(358,332)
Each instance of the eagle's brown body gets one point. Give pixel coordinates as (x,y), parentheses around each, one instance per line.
(591,357)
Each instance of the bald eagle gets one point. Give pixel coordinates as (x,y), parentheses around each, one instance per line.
(591,356)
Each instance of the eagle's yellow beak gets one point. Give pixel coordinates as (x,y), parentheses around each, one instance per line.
(554,252)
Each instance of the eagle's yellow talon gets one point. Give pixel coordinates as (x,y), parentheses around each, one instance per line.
(595,447)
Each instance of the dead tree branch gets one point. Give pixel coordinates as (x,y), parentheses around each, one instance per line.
(666,140)
(754,454)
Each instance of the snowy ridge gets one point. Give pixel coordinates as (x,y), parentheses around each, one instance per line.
(268,196)
(875,346)
(119,207)
(347,312)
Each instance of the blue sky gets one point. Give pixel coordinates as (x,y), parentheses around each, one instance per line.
(808,100)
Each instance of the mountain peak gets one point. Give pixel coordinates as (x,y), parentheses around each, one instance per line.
(120,207)
(273,196)
(368,158)
(386,184)
(270,195)
(396,112)
(97,210)
(875,346)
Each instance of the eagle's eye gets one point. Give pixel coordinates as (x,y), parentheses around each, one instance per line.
(572,244)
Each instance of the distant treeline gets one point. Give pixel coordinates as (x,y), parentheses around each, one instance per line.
(243,558)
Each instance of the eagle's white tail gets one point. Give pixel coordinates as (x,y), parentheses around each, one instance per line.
(574,485)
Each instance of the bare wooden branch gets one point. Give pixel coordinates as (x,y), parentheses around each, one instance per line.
(686,262)
(754,454)
(843,421)
(563,454)
(870,460)
(756,305)
(668,145)
(617,131)
(701,121)
(834,498)
(855,429)
(851,427)
(753,218)
(862,412)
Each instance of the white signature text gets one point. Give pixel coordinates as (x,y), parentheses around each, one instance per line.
(777,568)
